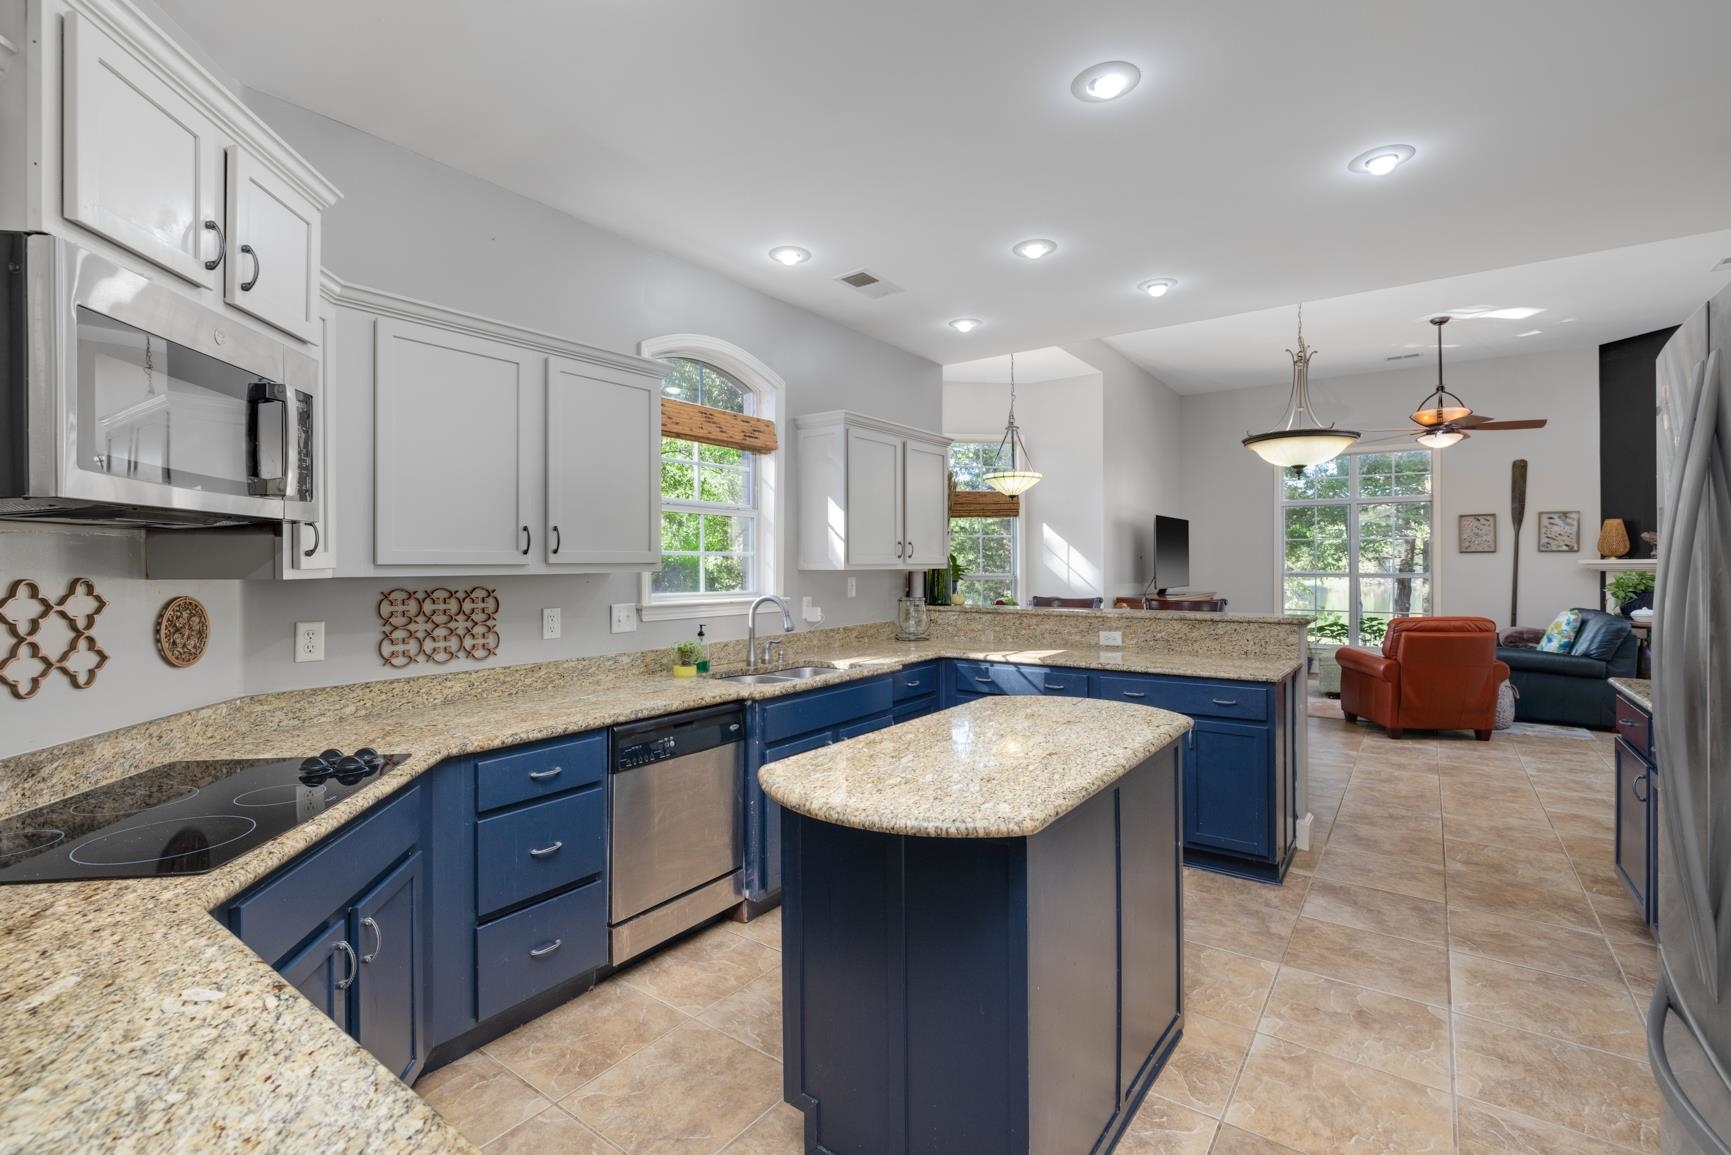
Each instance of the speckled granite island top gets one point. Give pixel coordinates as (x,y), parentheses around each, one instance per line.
(995,768)
(1637,690)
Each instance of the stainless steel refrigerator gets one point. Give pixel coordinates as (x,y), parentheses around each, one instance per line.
(1689,1023)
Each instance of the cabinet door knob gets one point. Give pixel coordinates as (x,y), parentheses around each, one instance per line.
(257,268)
(221,245)
(378,939)
(544,851)
(348,980)
(544,951)
(543,775)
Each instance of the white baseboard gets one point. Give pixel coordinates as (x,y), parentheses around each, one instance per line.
(1301,838)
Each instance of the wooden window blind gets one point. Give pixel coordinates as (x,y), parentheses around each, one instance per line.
(687,422)
(983,503)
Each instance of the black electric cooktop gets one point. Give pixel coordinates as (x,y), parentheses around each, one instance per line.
(180,818)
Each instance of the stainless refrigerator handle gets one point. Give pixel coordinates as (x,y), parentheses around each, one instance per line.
(1672,1091)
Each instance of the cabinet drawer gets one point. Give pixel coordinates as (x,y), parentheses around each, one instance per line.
(866,727)
(918,708)
(915,681)
(523,954)
(1635,727)
(540,771)
(537,849)
(822,709)
(278,914)
(1247,701)
(1000,678)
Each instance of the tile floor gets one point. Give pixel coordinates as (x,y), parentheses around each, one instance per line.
(1453,966)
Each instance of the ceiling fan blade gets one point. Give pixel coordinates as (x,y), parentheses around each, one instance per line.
(1412,429)
(1387,440)
(1536,423)
(1472,421)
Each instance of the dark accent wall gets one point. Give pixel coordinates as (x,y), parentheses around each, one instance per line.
(1628,437)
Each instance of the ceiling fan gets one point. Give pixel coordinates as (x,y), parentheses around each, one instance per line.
(1444,419)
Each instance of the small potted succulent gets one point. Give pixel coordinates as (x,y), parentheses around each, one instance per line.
(685,659)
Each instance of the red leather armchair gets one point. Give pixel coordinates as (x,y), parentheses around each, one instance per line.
(1432,674)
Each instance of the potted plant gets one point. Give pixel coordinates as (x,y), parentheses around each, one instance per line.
(685,657)
(1633,590)
(1327,635)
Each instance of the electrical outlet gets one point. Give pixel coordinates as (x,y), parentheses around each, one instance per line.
(309,641)
(852,589)
(624,618)
(1111,637)
(808,611)
(549,623)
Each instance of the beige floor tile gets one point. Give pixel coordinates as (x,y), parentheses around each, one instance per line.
(1598,876)
(1367,1027)
(1640,963)
(1406,876)
(1323,1105)
(1205,1064)
(702,970)
(1619,918)
(1419,838)
(1488,1130)
(571,1044)
(1532,859)
(1582,829)
(1560,950)
(552,1132)
(1395,966)
(1488,792)
(1398,791)
(1524,828)
(480,1098)
(781,1131)
(1255,922)
(1226,986)
(1556,899)
(689,1092)
(765,928)
(1601,1095)
(1593,1014)
(751,1014)
(1161,1127)
(1382,911)
(1233,1141)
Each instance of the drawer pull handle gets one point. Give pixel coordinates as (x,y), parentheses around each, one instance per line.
(982,677)
(544,851)
(1056,686)
(347,980)
(1638,788)
(1628,722)
(543,775)
(544,951)
(914,685)
(1135,693)
(1225,701)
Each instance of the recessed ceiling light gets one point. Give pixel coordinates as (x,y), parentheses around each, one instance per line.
(1382,160)
(965,324)
(1034,249)
(1519,314)
(1158,287)
(789,255)
(1530,333)
(1568,321)
(1106,81)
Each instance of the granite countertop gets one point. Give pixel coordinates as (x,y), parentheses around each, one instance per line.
(131,1016)
(996,768)
(1637,690)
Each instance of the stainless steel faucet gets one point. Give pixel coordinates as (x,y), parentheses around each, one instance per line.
(751,628)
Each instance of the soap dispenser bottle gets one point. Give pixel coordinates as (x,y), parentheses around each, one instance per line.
(702,653)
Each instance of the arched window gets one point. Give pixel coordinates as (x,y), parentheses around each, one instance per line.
(719,531)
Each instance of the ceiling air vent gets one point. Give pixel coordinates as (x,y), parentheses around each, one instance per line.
(1403,356)
(869,284)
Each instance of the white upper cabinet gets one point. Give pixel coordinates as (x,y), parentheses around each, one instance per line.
(454,420)
(273,234)
(142,164)
(872,494)
(312,546)
(603,466)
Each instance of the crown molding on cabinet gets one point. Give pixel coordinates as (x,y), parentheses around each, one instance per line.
(839,417)
(383,303)
(182,72)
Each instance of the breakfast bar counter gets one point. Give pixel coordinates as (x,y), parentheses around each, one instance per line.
(981,928)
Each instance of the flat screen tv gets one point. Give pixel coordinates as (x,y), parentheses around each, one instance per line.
(1171,553)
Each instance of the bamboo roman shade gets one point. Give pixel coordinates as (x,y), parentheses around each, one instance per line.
(687,422)
(983,503)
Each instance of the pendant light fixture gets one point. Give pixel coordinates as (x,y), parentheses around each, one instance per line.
(1435,409)
(1011,475)
(1301,440)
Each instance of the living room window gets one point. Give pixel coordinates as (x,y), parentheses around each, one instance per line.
(1356,543)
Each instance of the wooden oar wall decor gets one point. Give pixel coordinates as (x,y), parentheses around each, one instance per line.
(1517,514)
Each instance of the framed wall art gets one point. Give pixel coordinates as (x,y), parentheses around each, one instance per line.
(1560,532)
(1478,533)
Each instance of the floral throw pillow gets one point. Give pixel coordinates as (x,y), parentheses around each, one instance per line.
(1561,634)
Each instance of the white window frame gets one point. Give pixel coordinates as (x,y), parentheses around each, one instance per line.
(770,392)
(1017,539)
(1282,503)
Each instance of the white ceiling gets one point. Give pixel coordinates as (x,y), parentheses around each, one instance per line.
(1032,365)
(921,139)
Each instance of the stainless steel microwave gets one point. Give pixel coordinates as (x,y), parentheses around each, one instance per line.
(126,403)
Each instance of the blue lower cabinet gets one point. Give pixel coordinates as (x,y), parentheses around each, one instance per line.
(538,849)
(324,970)
(1636,830)
(388,928)
(881,722)
(916,681)
(915,708)
(1226,787)
(982,678)
(523,954)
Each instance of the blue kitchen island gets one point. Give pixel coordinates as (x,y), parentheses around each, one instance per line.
(982,927)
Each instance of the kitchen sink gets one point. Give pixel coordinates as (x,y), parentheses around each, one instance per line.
(797,674)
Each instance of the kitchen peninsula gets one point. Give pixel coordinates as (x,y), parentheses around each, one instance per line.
(982,927)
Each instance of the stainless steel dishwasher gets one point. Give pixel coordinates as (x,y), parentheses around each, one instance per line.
(676,843)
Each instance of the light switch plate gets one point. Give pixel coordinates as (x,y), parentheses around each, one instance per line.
(549,623)
(624,618)
(309,641)
(1111,637)
(808,611)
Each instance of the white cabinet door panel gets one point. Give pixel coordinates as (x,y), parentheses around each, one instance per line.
(603,466)
(273,236)
(874,498)
(139,160)
(453,415)
(926,505)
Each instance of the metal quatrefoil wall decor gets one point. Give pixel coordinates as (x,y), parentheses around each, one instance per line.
(438,626)
(34,654)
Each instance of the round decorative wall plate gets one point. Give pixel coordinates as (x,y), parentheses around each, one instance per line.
(182,631)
